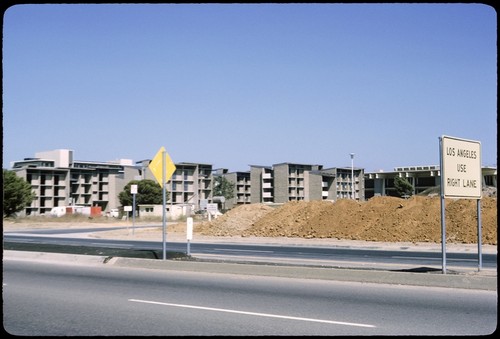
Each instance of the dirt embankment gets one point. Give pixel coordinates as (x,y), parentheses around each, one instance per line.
(386,219)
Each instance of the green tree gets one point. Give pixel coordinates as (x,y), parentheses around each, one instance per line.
(403,186)
(17,193)
(223,187)
(148,192)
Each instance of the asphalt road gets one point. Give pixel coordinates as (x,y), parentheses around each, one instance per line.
(54,297)
(304,255)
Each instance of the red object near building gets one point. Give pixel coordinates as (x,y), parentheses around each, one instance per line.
(96,211)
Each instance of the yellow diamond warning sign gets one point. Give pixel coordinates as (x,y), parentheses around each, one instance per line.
(156,166)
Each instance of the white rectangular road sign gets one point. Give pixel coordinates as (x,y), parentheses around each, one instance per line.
(461,168)
(203,204)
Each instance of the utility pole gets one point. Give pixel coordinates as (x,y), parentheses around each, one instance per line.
(352,175)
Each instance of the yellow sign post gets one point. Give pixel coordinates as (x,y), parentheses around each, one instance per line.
(162,168)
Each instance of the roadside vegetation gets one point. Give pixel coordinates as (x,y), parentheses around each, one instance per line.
(17,194)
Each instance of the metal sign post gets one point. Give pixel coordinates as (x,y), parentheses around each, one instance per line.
(164,194)
(162,168)
(443,207)
(479,237)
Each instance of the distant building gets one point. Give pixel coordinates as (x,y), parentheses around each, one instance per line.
(262,180)
(420,177)
(294,182)
(242,187)
(338,183)
(173,212)
(58,180)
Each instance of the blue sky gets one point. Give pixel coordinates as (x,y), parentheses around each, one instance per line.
(239,85)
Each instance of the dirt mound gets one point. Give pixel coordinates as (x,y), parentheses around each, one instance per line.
(235,221)
(417,219)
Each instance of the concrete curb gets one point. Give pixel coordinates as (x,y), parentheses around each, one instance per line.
(434,279)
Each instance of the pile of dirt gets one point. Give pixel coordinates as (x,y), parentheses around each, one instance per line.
(235,221)
(386,219)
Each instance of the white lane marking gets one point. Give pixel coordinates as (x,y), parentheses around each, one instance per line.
(419,258)
(252,313)
(111,245)
(435,259)
(235,250)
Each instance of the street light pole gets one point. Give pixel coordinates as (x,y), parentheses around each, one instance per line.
(352,175)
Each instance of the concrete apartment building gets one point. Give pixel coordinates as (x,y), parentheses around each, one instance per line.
(262,181)
(58,180)
(242,187)
(294,182)
(191,183)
